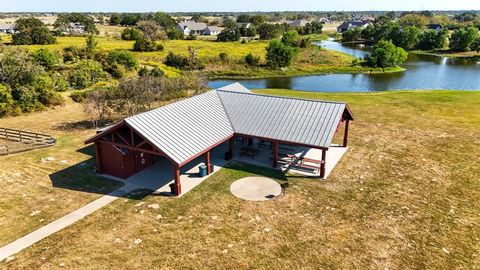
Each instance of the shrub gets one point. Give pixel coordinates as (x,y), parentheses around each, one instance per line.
(146,45)
(174,34)
(463,39)
(122,57)
(86,74)
(279,54)
(252,60)
(7,103)
(176,61)
(223,56)
(290,38)
(154,72)
(130,33)
(45,58)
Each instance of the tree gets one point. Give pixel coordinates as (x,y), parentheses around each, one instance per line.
(75,24)
(257,20)
(243,18)
(406,37)
(416,20)
(353,34)
(279,54)
(130,33)
(129,19)
(431,40)
(463,39)
(17,67)
(229,34)
(115,19)
(90,45)
(268,31)
(151,31)
(7,103)
(31,31)
(386,54)
(45,58)
(164,20)
(290,38)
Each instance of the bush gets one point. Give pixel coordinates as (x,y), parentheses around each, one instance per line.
(223,56)
(122,57)
(252,60)
(176,61)
(154,72)
(7,103)
(45,57)
(146,45)
(290,38)
(131,34)
(279,54)
(79,96)
(269,31)
(72,53)
(173,34)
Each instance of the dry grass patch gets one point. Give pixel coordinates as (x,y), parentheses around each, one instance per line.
(42,185)
(405,196)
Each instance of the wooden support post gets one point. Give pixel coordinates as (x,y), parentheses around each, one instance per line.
(132,139)
(250,142)
(345,135)
(208,163)
(98,166)
(322,164)
(275,154)
(176,177)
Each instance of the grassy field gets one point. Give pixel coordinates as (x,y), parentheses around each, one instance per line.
(405,196)
(309,61)
(450,53)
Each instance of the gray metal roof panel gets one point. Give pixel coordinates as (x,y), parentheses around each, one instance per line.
(237,87)
(185,128)
(309,122)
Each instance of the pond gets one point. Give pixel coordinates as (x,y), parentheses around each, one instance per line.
(423,72)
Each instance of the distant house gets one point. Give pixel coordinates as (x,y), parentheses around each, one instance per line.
(212,30)
(324,21)
(436,27)
(347,25)
(192,28)
(243,24)
(7,28)
(299,23)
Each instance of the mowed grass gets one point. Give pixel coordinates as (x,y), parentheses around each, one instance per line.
(405,196)
(36,191)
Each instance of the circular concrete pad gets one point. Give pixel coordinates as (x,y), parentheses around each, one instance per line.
(255,189)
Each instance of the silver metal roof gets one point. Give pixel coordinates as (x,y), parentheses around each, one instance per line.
(185,128)
(237,87)
(302,121)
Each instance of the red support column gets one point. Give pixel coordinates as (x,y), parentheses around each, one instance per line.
(176,176)
(345,135)
(275,154)
(98,166)
(208,163)
(322,164)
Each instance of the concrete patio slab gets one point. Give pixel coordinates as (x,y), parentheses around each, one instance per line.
(255,189)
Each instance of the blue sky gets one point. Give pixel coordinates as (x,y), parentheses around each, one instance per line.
(237,5)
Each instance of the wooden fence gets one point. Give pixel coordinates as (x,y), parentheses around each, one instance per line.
(21,141)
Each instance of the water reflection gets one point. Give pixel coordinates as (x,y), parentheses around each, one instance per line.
(423,72)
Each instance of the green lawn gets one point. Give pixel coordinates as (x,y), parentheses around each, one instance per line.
(405,196)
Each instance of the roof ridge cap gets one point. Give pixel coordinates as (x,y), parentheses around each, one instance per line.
(225,110)
(283,97)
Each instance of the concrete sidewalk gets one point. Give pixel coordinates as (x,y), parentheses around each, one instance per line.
(61,223)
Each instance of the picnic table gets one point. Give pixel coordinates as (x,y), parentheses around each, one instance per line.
(266,144)
(314,163)
(249,151)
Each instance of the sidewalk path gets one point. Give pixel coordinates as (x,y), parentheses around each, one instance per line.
(59,224)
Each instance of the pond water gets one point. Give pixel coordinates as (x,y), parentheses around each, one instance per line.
(423,72)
